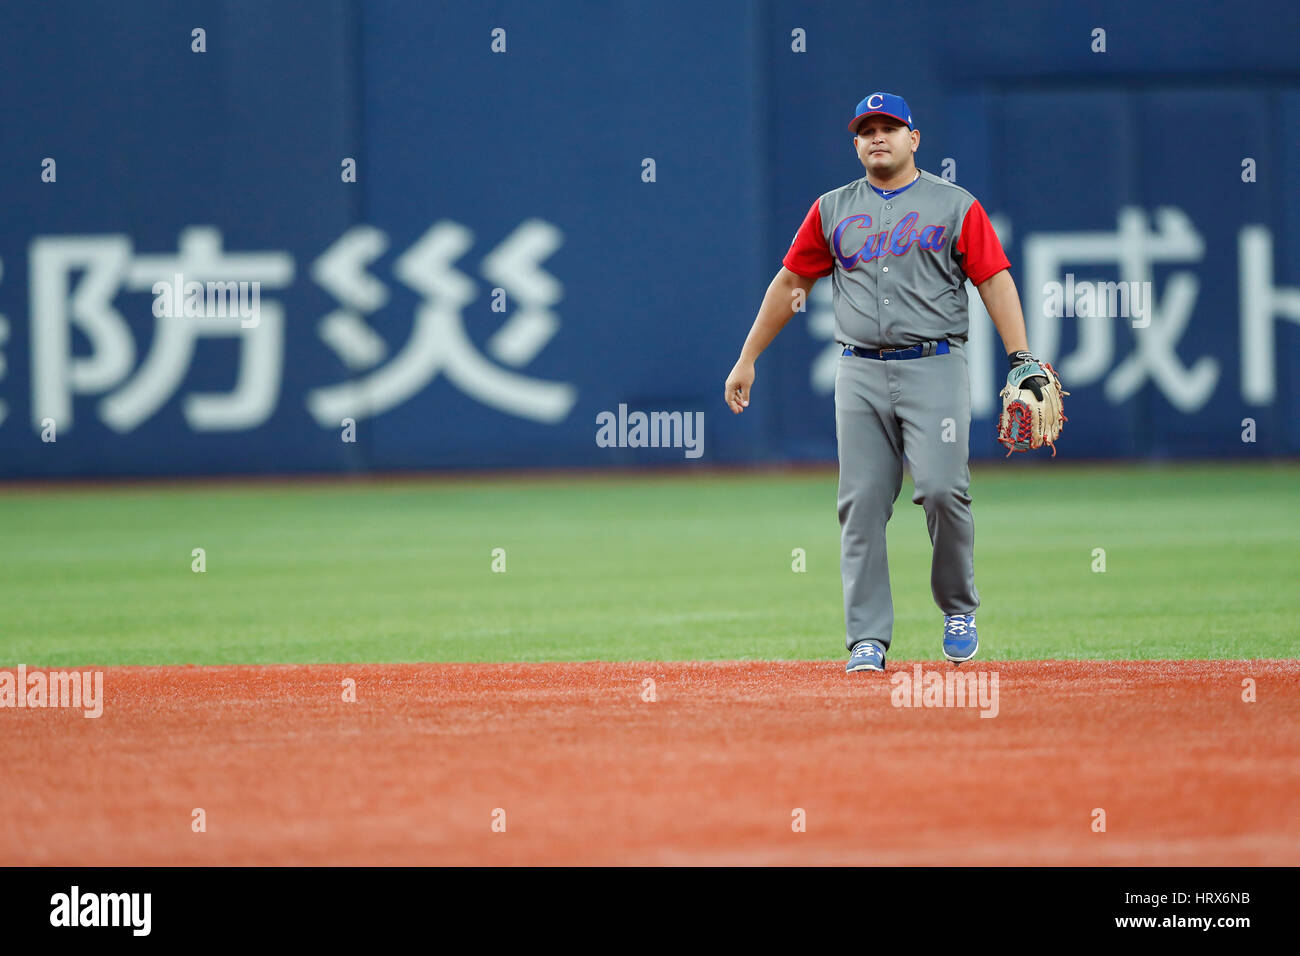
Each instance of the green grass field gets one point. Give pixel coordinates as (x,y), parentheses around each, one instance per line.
(1200,562)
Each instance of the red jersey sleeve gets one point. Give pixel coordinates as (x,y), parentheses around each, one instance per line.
(978,245)
(809,256)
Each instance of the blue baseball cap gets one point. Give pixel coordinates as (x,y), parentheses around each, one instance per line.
(888,104)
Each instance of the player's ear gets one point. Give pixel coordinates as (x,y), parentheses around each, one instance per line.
(916,139)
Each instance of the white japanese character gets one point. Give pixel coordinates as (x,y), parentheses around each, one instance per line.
(109,266)
(1134,249)
(439,341)
(342,271)
(1261,303)
(821,326)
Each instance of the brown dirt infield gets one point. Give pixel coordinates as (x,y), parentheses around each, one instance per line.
(709,773)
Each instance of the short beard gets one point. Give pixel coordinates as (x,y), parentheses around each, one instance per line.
(896,168)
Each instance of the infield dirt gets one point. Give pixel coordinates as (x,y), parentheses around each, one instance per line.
(587,770)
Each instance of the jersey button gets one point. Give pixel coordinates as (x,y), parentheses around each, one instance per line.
(889,205)
(887,221)
(886,269)
(886,302)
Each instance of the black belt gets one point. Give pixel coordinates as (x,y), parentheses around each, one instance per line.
(920,350)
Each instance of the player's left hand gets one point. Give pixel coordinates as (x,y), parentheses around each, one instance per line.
(1032,409)
(1034,378)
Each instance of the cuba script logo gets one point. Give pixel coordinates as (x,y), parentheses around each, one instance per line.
(889,243)
(75,908)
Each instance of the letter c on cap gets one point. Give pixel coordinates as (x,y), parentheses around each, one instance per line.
(875,106)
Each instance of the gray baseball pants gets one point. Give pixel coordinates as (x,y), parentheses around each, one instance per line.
(886,411)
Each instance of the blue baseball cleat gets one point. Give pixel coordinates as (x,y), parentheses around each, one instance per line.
(866,656)
(960,642)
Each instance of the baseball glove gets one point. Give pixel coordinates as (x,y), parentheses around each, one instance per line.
(1032,411)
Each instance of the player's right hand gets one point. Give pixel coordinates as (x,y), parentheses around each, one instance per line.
(738,384)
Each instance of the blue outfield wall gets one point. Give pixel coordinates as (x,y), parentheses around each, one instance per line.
(501,271)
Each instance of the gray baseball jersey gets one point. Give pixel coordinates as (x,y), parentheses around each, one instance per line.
(900,259)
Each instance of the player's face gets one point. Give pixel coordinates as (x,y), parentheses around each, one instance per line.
(885,145)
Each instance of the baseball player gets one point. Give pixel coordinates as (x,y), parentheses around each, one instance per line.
(900,244)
